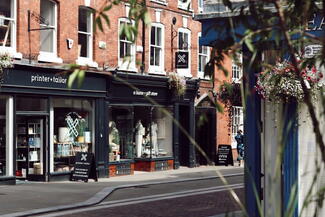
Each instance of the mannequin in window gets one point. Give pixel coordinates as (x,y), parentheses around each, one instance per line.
(114,138)
(139,133)
(154,138)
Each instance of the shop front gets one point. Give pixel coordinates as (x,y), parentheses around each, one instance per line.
(142,131)
(44,124)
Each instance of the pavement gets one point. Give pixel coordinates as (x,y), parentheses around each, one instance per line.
(31,198)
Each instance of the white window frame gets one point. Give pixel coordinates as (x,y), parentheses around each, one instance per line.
(200,6)
(127,65)
(237,123)
(153,68)
(236,69)
(12,50)
(185,72)
(45,56)
(90,37)
(185,5)
(200,74)
(162,2)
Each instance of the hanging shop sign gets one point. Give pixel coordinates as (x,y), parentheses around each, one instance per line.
(84,168)
(224,156)
(50,80)
(181,60)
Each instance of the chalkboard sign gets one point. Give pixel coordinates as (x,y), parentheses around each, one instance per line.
(85,167)
(224,156)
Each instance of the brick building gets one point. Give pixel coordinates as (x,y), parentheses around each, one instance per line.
(44,124)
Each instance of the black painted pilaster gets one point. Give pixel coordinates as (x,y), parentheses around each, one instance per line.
(192,160)
(176,136)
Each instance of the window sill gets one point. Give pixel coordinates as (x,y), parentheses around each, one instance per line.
(12,53)
(190,10)
(156,71)
(49,57)
(127,66)
(159,2)
(86,62)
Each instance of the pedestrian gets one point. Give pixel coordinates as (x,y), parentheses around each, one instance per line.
(240,146)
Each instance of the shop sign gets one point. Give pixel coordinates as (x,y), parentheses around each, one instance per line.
(181,60)
(84,168)
(316,24)
(144,93)
(312,50)
(224,156)
(50,80)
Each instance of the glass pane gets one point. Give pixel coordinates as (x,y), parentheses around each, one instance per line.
(3,132)
(47,12)
(128,49)
(83,44)
(47,38)
(180,41)
(120,134)
(31,104)
(161,129)
(185,46)
(157,56)
(5,8)
(5,32)
(153,35)
(122,52)
(73,131)
(84,20)
(158,36)
(152,56)
(29,146)
(200,63)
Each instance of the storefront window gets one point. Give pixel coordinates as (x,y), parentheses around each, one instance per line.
(31,104)
(139,132)
(73,131)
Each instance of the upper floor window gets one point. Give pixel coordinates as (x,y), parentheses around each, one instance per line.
(48,36)
(126,48)
(185,4)
(156,49)
(200,6)
(7,24)
(237,72)
(237,123)
(184,44)
(85,33)
(203,58)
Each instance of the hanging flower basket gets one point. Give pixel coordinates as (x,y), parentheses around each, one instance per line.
(281,83)
(230,94)
(177,84)
(5,62)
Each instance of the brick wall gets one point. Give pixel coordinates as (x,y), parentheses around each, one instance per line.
(67,17)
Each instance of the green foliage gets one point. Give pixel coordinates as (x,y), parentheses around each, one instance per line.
(230,94)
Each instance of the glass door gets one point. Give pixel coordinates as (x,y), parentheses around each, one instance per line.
(30,146)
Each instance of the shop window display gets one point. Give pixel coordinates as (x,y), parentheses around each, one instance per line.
(139,132)
(73,121)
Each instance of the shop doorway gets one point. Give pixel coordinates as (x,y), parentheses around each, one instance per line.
(205,135)
(31,146)
(184,142)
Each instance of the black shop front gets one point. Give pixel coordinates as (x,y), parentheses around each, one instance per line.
(142,132)
(43,124)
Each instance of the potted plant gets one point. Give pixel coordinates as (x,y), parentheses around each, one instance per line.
(81,130)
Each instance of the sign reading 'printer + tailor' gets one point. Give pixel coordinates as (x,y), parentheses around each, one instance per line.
(45,79)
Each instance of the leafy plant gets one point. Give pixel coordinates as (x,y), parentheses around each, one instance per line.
(5,62)
(177,84)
